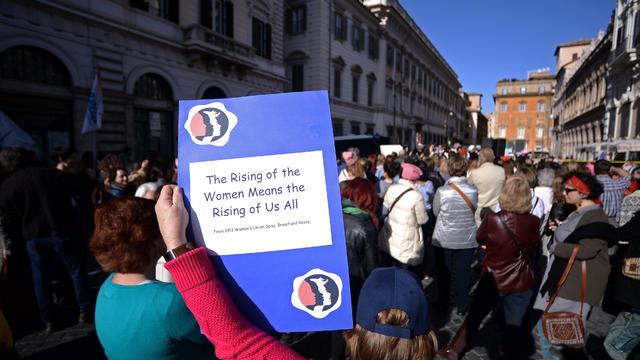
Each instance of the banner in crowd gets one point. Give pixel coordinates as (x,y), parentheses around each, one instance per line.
(260,178)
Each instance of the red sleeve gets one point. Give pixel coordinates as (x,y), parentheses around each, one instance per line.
(219,319)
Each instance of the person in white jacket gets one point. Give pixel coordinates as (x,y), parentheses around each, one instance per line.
(401,236)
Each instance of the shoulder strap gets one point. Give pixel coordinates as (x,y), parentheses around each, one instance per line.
(513,236)
(456,188)
(398,198)
(564,277)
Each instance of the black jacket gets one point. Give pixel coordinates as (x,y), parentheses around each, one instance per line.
(362,249)
(626,289)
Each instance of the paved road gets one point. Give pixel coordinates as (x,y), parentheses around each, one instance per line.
(80,342)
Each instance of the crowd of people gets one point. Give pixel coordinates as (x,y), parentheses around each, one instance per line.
(429,218)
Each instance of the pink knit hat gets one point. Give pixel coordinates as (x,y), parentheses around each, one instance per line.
(591,168)
(349,157)
(410,172)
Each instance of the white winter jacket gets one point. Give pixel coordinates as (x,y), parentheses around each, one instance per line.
(401,235)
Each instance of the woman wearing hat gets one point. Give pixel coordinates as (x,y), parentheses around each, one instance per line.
(401,236)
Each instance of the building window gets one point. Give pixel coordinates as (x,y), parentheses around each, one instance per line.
(337,81)
(503,107)
(539,131)
(297,77)
(398,61)
(28,63)
(503,131)
(296,19)
(541,106)
(574,56)
(370,93)
(505,91)
(373,47)
(522,107)
(339,26)
(166,9)
(354,88)
(370,129)
(523,90)
(214,92)
(390,55)
(355,128)
(612,123)
(413,71)
(624,120)
(541,89)
(357,37)
(224,17)
(520,132)
(261,38)
(152,86)
(337,127)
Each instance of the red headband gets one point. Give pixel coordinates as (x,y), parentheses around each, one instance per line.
(578,185)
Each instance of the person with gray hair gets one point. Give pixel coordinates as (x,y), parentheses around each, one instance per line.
(543,190)
(489,179)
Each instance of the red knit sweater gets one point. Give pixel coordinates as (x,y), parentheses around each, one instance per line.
(219,319)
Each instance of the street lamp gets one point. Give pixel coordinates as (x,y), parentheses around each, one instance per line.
(446,127)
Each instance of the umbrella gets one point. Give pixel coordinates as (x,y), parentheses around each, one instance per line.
(12,135)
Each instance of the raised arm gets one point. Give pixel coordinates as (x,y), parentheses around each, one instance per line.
(205,296)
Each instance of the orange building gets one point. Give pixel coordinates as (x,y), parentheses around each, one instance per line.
(523,111)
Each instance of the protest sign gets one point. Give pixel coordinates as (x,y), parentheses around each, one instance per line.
(260,179)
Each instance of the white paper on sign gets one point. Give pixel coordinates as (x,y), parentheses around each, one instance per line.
(259,204)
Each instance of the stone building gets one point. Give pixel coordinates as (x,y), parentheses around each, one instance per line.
(621,130)
(151,54)
(583,95)
(523,111)
(383,75)
(476,123)
(567,56)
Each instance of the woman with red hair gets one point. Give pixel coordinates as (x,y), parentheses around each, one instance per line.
(359,204)
(136,316)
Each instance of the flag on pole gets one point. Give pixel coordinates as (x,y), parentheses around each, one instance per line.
(95,108)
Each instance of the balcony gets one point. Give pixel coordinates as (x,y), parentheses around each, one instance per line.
(216,50)
(624,53)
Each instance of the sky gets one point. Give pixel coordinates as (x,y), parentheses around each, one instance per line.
(485,41)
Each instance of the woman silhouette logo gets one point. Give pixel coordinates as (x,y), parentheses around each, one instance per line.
(210,124)
(317,293)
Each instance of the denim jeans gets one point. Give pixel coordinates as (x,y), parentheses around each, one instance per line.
(515,306)
(40,251)
(454,265)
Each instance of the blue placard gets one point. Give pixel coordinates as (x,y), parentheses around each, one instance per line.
(260,179)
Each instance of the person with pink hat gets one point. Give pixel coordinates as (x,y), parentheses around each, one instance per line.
(353,168)
(404,212)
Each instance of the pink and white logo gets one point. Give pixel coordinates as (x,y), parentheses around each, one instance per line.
(317,293)
(210,124)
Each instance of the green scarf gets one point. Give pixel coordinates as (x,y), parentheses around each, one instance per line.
(349,207)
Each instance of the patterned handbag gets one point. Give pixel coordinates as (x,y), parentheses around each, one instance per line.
(565,328)
(631,268)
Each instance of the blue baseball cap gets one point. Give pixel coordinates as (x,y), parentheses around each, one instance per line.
(393,288)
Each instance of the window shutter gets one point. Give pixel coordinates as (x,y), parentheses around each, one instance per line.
(229,18)
(255,32)
(304,18)
(268,40)
(206,13)
(288,19)
(344,28)
(174,11)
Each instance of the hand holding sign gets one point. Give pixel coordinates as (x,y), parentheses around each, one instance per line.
(172,216)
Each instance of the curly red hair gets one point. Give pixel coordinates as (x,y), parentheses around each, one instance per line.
(126,238)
